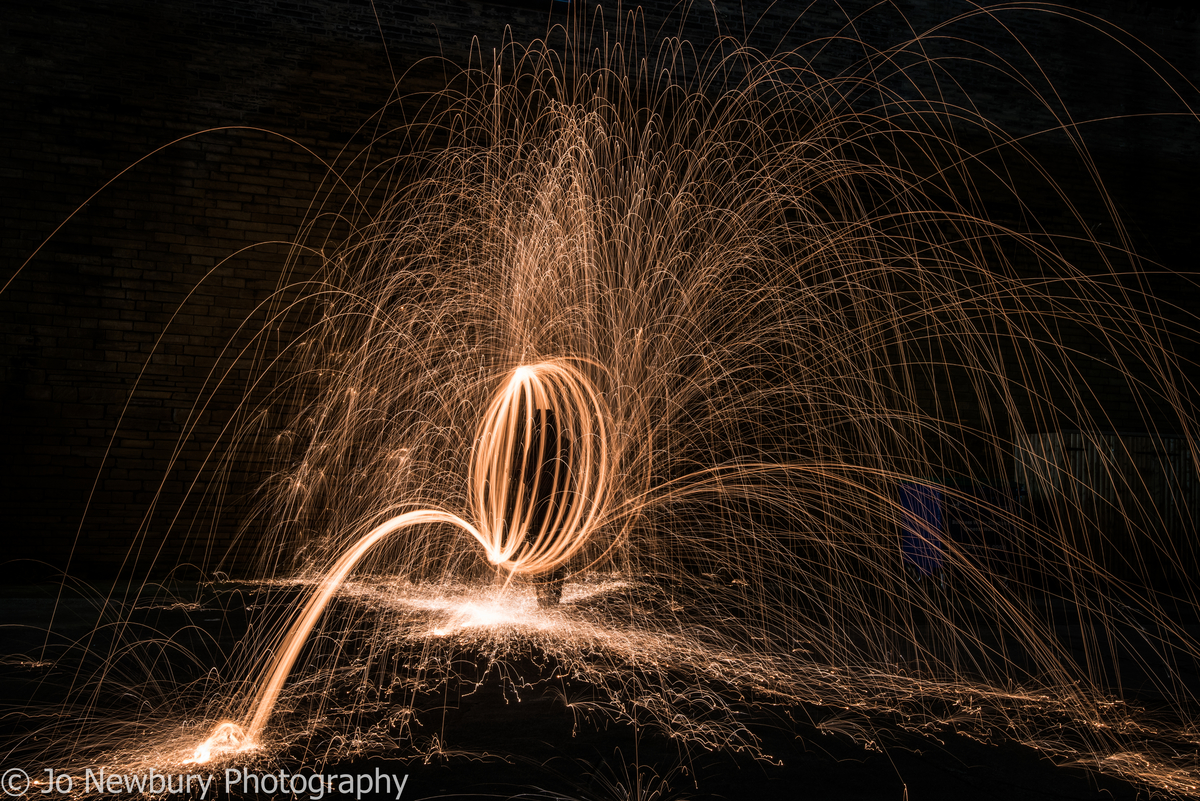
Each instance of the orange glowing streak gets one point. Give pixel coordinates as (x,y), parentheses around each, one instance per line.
(229,736)
(552,386)
(507,535)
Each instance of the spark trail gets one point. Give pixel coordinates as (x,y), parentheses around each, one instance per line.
(514,455)
(687,331)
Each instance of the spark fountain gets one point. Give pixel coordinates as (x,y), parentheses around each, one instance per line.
(536,509)
(713,348)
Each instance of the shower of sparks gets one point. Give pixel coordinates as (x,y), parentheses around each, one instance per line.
(512,456)
(678,348)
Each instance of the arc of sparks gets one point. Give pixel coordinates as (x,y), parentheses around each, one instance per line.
(541,470)
(537,507)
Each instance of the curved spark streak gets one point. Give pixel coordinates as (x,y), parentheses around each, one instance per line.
(223,738)
(753,306)
(546,387)
(511,533)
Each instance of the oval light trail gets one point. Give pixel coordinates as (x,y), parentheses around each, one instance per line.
(537,484)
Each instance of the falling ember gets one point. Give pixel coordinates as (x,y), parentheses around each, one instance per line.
(536,509)
(717,370)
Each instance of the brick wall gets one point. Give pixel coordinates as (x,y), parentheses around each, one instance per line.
(208,127)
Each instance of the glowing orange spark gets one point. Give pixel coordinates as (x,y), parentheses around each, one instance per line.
(513,454)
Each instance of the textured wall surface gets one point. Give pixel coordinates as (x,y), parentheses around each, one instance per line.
(160,160)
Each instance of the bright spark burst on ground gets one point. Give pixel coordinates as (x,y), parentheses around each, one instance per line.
(769,319)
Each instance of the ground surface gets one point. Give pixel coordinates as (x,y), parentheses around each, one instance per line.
(499,741)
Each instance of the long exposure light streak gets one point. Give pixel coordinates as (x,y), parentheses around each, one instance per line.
(505,507)
(514,449)
(729,353)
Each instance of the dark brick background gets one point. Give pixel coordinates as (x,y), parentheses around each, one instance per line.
(226,110)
